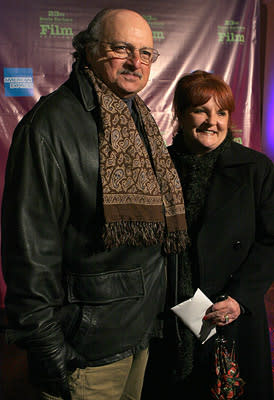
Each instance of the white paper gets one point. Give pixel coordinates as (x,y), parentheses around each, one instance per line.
(192,312)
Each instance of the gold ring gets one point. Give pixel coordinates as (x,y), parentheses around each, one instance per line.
(226,318)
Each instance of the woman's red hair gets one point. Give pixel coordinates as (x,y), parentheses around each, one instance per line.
(197,88)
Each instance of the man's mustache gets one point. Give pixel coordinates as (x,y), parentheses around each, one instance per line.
(127,71)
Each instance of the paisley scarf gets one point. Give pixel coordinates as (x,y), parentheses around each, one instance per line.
(141,207)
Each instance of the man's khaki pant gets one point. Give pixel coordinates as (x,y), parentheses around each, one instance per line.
(121,380)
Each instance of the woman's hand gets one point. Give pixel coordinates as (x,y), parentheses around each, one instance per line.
(224,312)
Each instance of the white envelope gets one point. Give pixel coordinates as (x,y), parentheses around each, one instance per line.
(192,312)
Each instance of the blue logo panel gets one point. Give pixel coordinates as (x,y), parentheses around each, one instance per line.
(18,82)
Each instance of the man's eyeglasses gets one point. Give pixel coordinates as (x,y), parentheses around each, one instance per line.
(125,50)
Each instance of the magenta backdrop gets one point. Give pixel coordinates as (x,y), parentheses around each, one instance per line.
(219,36)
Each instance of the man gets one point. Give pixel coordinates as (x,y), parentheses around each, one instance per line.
(91,206)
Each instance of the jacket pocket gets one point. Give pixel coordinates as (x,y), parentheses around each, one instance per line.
(106,287)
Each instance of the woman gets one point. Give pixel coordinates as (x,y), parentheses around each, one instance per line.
(229,198)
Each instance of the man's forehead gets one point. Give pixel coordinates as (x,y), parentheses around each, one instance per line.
(128,27)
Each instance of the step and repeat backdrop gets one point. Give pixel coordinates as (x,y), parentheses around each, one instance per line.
(215,35)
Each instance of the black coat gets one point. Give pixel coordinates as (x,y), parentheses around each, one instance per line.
(235,247)
(235,250)
(59,289)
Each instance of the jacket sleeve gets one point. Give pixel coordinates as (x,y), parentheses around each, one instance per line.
(256,274)
(34,212)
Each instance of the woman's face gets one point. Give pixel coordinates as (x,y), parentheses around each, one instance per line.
(204,127)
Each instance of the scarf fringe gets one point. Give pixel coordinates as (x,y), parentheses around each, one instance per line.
(143,234)
(133,234)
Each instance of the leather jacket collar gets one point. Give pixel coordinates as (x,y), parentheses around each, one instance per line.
(79,84)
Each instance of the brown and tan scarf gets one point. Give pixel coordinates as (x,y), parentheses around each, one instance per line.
(141,208)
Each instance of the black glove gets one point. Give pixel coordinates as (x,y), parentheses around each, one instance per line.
(49,363)
(47,368)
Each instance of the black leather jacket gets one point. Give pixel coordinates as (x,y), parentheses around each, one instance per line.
(60,287)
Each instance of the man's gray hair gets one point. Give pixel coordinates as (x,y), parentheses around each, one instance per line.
(91,36)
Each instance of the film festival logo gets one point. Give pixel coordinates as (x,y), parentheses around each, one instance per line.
(55,25)
(231,32)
